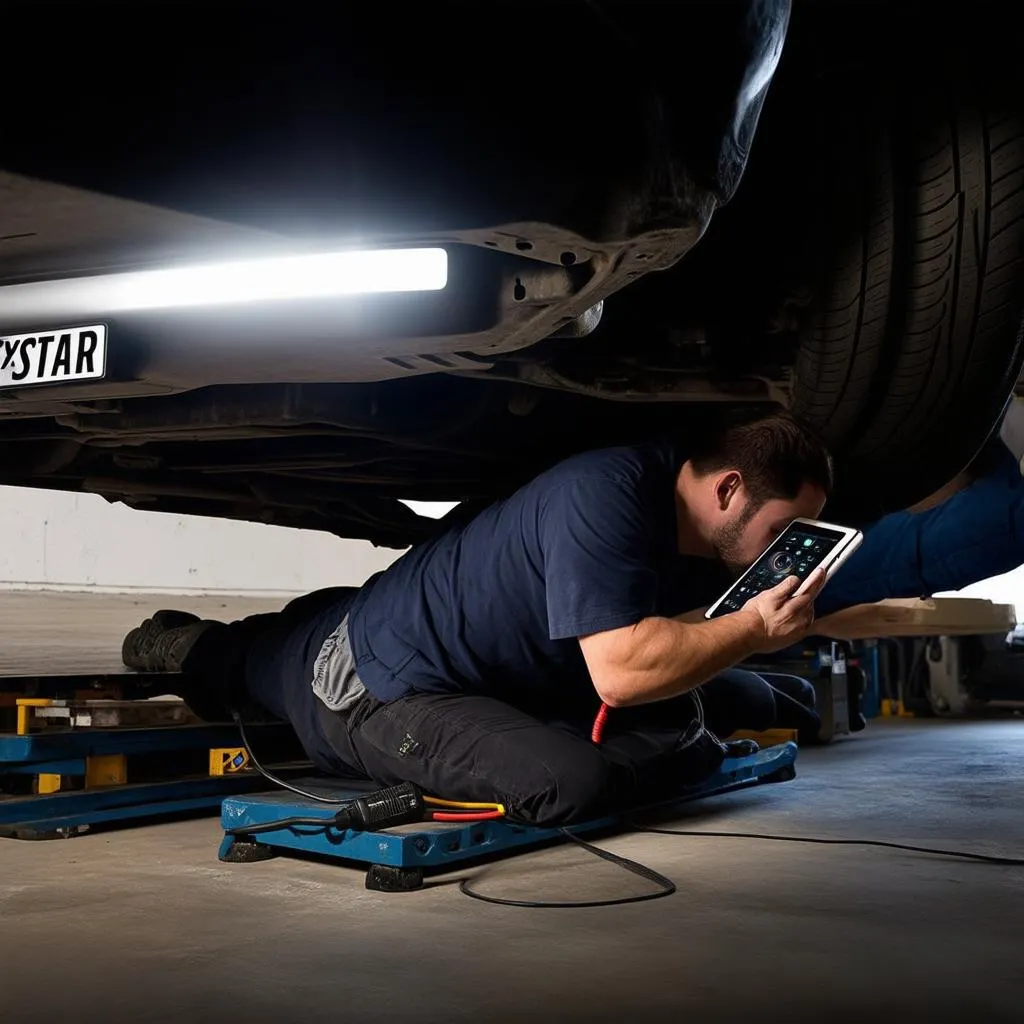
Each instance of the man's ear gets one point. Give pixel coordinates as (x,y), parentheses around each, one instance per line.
(726,488)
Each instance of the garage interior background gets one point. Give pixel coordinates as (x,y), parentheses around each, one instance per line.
(55,540)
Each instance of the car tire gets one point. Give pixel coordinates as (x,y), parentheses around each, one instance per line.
(913,341)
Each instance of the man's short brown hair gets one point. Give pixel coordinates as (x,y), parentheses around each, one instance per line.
(775,453)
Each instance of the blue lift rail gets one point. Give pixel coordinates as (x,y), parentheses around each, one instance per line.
(58,815)
(65,752)
(74,744)
(396,859)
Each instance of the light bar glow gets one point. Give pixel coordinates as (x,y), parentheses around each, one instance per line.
(273,279)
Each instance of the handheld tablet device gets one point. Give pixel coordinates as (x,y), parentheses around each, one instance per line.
(805,545)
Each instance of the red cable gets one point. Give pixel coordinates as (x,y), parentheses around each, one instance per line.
(469,816)
(597,732)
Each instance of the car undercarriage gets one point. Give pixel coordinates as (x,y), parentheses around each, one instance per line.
(647,209)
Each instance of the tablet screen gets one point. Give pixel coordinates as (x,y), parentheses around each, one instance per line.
(798,551)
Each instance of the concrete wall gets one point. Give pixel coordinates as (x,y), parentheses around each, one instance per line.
(60,541)
(57,540)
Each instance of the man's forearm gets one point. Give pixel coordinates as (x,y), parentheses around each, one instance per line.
(666,657)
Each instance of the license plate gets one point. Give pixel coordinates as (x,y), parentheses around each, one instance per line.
(53,356)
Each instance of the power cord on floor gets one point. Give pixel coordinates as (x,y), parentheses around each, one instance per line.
(934,851)
(666,887)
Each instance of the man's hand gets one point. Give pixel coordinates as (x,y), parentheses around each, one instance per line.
(786,619)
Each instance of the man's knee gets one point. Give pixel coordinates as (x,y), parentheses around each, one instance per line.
(794,686)
(573,787)
(738,699)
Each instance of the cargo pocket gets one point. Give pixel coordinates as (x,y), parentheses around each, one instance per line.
(335,680)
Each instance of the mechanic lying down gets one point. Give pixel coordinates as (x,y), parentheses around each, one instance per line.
(474,665)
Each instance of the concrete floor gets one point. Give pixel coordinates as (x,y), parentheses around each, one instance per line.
(145,925)
(66,632)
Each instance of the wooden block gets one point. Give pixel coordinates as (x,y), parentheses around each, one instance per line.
(105,770)
(934,616)
(47,783)
(228,760)
(24,706)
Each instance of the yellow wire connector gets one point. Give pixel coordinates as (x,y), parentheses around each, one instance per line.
(463,805)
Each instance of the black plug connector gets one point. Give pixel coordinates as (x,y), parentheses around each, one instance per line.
(396,805)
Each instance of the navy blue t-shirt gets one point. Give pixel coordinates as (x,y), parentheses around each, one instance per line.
(496,606)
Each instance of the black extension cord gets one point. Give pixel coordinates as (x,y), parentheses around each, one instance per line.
(935,851)
(666,887)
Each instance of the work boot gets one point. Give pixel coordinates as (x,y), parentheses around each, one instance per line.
(207,680)
(161,643)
